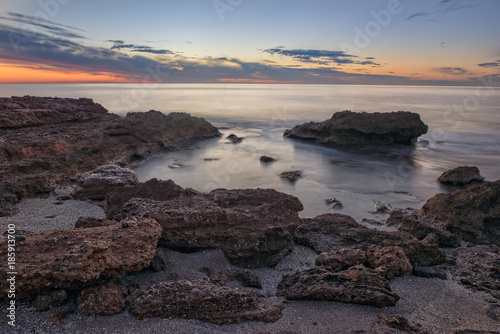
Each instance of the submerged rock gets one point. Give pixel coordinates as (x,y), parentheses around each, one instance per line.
(358,285)
(266,159)
(292,176)
(358,130)
(253,227)
(77,258)
(234,138)
(472,214)
(203,300)
(46,141)
(461,176)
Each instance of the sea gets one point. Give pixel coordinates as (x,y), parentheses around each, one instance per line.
(464,129)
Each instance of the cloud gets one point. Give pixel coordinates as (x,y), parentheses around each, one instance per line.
(56,29)
(321,57)
(120,44)
(495,63)
(452,70)
(443,8)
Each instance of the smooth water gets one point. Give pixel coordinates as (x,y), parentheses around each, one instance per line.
(464,129)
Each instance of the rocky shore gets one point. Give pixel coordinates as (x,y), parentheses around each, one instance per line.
(153,256)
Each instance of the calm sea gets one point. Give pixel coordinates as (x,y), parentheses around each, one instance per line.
(464,129)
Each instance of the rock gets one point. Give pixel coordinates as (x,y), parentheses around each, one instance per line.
(334,203)
(388,261)
(429,272)
(253,227)
(205,301)
(48,141)
(472,214)
(292,176)
(96,184)
(360,130)
(105,299)
(234,138)
(266,159)
(493,312)
(461,176)
(401,323)
(50,299)
(73,259)
(358,285)
(152,189)
(421,229)
(380,207)
(478,268)
(246,277)
(160,261)
(86,222)
(342,259)
(330,232)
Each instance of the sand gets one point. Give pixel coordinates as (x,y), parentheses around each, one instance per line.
(439,306)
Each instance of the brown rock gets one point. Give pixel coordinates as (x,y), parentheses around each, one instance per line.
(292,176)
(253,227)
(420,229)
(203,300)
(105,299)
(388,261)
(429,272)
(358,130)
(47,141)
(401,323)
(358,285)
(96,184)
(461,176)
(342,259)
(472,214)
(49,299)
(77,258)
(245,276)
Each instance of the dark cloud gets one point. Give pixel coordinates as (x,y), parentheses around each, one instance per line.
(321,57)
(57,29)
(443,8)
(452,70)
(495,63)
(119,44)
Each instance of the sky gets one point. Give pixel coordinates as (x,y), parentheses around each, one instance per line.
(385,42)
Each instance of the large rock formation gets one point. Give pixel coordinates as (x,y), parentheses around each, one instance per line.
(357,130)
(77,258)
(44,141)
(461,176)
(203,300)
(358,285)
(331,232)
(473,214)
(253,227)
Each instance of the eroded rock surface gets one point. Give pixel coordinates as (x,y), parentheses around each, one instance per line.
(105,299)
(357,130)
(461,176)
(203,300)
(77,258)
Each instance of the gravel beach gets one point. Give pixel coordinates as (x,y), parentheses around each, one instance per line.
(439,306)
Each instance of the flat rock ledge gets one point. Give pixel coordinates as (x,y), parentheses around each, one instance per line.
(358,130)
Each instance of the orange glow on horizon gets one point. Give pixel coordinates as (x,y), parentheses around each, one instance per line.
(16,74)
(243,80)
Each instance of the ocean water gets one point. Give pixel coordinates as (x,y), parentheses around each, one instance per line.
(464,129)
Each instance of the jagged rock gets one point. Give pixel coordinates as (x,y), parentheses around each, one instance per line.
(461,176)
(388,261)
(46,141)
(359,130)
(105,299)
(266,159)
(472,214)
(253,227)
(96,184)
(429,272)
(160,261)
(330,232)
(86,222)
(153,189)
(380,207)
(203,300)
(421,229)
(49,299)
(358,285)
(234,138)
(334,203)
(342,259)
(292,176)
(401,323)
(77,258)
(246,277)
(478,268)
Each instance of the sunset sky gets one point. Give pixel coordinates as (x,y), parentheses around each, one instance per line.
(409,42)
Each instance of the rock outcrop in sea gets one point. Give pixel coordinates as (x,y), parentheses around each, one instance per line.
(358,130)
(45,141)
